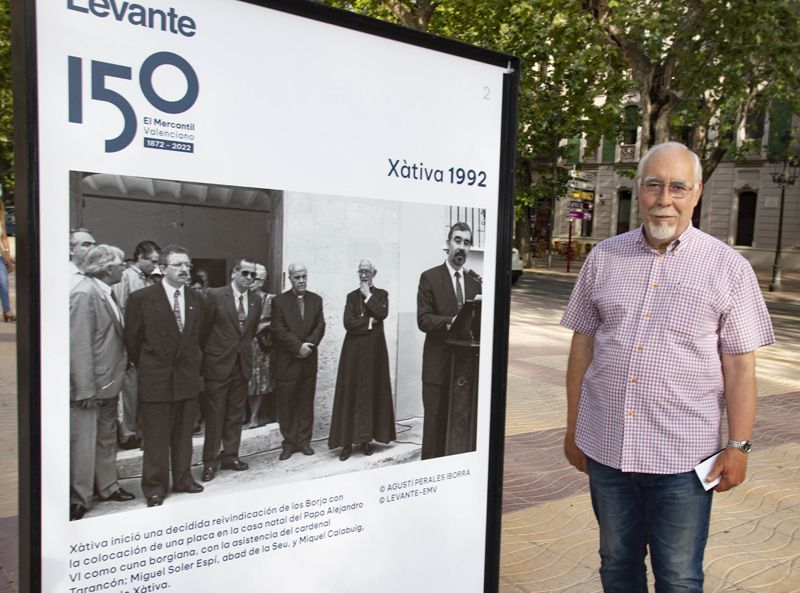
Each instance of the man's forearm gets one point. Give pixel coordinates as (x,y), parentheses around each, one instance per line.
(580,357)
(739,373)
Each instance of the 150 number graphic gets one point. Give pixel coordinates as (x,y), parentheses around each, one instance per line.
(100,71)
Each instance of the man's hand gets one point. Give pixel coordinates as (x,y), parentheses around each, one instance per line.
(305,349)
(88,404)
(574,455)
(732,466)
(364,288)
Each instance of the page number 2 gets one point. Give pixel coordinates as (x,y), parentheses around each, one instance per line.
(486,93)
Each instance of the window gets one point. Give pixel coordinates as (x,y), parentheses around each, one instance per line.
(631,125)
(624,211)
(746,221)
(754,124)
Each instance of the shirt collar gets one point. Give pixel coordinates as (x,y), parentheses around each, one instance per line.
(452,270)
(236,293)
(102,286)
(171,289)
(138,271)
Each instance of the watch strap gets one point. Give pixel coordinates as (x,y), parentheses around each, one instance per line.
(743,446)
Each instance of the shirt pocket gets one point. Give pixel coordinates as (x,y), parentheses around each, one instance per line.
(693,312)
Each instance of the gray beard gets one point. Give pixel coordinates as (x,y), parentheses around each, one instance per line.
(660,231)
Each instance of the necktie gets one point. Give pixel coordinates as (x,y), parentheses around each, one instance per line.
(117,308)
(302,304)
(176,307)
(459,291)
(240,311)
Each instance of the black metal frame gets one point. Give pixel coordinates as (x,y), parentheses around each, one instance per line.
(24,45)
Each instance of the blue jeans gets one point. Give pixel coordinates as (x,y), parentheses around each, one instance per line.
(4,300)
(667,513)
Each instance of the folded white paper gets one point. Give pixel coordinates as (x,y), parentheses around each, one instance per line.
(704,468)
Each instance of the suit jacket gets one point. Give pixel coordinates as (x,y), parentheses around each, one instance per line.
(289,331)
(225,339)
(436,307)
(97,353)
(168,360)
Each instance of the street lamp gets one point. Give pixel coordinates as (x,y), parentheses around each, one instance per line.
(783,171)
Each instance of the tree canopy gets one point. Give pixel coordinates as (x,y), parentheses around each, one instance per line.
(6,104)
(701,69)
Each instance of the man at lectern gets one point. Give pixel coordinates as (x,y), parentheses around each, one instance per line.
(442,292)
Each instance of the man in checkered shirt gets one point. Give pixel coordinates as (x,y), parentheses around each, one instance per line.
(666,321)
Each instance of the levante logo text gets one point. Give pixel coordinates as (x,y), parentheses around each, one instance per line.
(136,14)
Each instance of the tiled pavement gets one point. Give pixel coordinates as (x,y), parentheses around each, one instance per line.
(8,455)
(550,539)
(549,535)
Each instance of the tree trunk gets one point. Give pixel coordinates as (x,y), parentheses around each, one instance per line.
(416,15)
(523,234)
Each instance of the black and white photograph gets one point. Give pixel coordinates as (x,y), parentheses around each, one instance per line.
(224,337)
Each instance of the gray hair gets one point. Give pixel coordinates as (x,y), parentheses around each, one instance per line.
(99,257)
(698,167)
(294,266)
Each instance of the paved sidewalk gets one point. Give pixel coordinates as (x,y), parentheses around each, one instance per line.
(550,537)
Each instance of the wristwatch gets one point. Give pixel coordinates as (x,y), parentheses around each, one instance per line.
(743,446)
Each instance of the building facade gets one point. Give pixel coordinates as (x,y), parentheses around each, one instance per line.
(740,204)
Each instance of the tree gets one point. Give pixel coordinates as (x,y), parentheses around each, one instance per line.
(702,66)
(564,68)
(6,104)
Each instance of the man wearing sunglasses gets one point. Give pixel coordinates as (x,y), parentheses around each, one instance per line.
(232,318)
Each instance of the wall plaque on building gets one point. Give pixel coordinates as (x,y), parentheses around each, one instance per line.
(245,362)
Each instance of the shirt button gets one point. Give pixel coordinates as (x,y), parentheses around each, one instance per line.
(638,349)
(634,381)
(647,315)
(631,413)
(655,285)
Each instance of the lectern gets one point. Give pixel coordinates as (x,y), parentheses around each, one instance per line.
(462,415)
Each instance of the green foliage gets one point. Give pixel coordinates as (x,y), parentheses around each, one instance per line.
(6,104)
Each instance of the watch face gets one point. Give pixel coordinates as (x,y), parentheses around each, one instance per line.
(746,446)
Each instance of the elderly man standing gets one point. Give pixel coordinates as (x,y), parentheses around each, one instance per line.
(80,242)
(298,325)
(666,322)
(363,409)
(97,365)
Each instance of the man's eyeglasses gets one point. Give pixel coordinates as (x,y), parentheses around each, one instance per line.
(248,274)
(676,189)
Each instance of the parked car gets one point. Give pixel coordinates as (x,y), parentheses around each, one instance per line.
(516,265)
(11,221)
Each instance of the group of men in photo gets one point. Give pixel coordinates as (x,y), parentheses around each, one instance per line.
(145,336)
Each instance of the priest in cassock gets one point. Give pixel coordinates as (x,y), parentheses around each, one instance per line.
(363,410)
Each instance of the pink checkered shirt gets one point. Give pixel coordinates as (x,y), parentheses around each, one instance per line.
(652,398)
